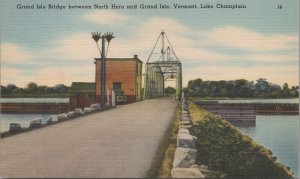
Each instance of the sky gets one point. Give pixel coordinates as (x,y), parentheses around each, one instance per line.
(55,46)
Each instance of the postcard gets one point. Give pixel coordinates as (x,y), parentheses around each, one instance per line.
(149,89)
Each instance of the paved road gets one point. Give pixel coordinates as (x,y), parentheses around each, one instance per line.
(117,143)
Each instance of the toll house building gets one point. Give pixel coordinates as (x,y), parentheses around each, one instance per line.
(123,75)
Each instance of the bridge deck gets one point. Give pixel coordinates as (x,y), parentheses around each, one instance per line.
(117,143)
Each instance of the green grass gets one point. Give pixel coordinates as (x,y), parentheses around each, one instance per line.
(224,149)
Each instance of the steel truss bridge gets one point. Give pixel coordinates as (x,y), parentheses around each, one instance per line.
(161,67)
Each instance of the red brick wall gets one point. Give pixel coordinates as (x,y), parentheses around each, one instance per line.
(98,79)
(80,100)
(118,71)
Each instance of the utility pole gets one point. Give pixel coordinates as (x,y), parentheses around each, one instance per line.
(103,74)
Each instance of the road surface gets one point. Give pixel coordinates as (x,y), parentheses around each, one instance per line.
(116,143)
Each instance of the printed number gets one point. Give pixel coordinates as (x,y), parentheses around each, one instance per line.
(279,6)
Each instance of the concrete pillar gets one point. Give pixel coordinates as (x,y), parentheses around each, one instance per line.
(113,98)
(108,100)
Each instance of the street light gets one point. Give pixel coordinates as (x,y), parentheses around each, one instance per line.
(105,37)
(108,36)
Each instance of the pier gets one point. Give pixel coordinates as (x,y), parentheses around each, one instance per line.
(234,113)
(245,113)
(277,108)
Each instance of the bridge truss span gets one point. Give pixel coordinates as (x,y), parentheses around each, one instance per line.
(161,67)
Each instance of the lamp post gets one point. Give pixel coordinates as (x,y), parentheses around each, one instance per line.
(105,37)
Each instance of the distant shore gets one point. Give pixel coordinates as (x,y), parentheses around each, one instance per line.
(35,96)
(237,98)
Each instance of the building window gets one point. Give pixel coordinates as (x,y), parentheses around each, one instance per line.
(117,85)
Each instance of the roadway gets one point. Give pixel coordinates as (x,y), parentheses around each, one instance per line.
(117,143)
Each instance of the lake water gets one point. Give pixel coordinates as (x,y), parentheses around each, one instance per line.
(23,119)
(280,134)
(34,100)
(292,100)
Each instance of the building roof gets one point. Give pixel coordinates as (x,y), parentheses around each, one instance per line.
(135,58)
(82,87)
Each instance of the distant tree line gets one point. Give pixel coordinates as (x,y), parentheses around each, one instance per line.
(170,90)
(34,90)
(240,88)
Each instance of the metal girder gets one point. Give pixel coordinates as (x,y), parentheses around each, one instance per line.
(164,68)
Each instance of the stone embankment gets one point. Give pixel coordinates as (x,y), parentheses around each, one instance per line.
(186,153)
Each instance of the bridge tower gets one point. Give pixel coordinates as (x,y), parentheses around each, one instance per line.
(162,65)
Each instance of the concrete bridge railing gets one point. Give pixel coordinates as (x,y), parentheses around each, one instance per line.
(16,128)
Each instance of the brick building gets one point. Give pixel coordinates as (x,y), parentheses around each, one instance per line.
(81,94)
(123,75)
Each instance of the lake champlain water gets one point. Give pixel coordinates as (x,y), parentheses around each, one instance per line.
(279,133)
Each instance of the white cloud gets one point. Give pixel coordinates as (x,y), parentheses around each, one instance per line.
(176,32)
(189,47)
(79,46)
(49,76)
(52,76)
(13,76)
(155,25)
(182,39)
(241,38)
(273,58)
(106,17)
(12,53)
(198,54)
(145,37)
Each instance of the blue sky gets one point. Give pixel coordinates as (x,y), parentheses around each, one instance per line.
(55,46)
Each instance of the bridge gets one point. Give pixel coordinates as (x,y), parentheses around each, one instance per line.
(162,66)
(121,142)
